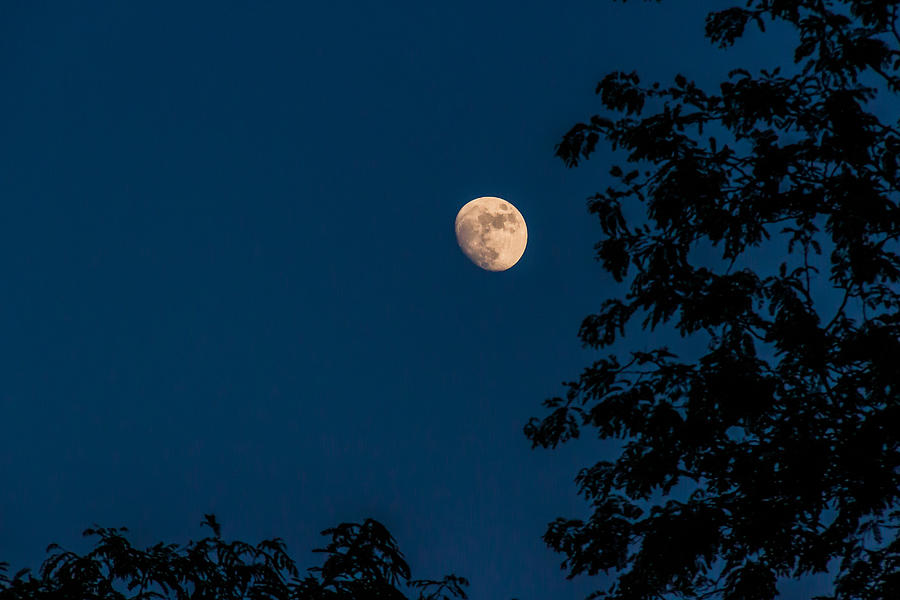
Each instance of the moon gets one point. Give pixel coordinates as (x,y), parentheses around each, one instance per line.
(491,232)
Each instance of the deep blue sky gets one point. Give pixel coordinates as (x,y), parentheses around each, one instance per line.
(230,282)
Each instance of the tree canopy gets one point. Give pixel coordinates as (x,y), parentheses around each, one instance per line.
(786,430)
(363,563)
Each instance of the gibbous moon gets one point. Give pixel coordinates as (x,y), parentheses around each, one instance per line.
(491,232)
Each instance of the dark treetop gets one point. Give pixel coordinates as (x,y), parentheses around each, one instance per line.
(363,563)
(785,430)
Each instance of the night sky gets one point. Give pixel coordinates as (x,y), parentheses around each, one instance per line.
(230,282)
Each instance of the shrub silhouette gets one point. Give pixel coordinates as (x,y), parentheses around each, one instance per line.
(363,562)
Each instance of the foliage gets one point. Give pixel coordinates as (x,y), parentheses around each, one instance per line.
(787,431)
(363,563)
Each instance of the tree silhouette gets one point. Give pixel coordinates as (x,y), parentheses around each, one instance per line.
(786,430)
(363,563)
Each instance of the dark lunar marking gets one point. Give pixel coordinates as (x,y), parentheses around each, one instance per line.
(485,256)
(495,221)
